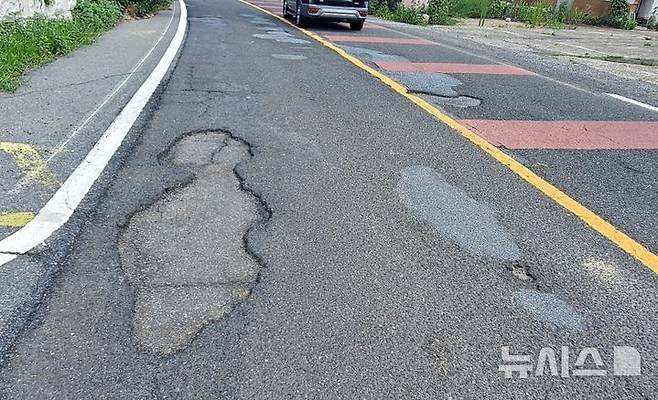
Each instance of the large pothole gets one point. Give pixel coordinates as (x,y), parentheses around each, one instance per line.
(185,254)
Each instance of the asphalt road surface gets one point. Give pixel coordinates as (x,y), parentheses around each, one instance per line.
(284,225)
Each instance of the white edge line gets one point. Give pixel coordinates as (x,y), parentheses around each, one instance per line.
(21,183)
(631,101)
(67,198)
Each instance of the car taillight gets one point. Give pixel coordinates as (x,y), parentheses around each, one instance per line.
(363,13)
(313,9)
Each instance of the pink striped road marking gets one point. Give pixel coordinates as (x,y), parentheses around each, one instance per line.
(581,135)
(376,39)
(452,68)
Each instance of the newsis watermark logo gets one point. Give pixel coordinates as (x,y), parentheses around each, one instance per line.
(588,362)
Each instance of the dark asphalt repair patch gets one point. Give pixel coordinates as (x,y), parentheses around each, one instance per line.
(455,215)
(176,296)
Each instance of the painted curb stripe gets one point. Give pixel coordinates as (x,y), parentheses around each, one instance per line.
(606,229)
(61,206)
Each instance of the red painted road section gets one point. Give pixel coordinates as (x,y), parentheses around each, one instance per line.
(576,135)
(453,68)
(377,39)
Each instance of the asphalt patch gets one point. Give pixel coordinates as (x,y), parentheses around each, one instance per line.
(454,214)
(185,254)
(546,307)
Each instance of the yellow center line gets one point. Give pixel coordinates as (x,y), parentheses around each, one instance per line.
(625,242)
(15,219)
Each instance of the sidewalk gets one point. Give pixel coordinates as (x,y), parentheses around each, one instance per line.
(48,127)
(55,118)
(610,50)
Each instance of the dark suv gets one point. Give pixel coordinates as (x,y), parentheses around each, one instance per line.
(352,11)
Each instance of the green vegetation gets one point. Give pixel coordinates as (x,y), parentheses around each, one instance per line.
(618,17)
(531,12)
(396,11)
(142,8)
(27,44)
(441,12)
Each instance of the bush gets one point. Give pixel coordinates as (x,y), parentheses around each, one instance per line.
(467,8)
(408,15)
(143,7)
(397,12)
(441,12)
(26,44)
(618,17)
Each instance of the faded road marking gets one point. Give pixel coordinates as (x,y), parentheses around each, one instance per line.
(453,68)
(29,160)
(290,57)
(375,39)
(15,219)
(631,101)
(575,135)
(606,229)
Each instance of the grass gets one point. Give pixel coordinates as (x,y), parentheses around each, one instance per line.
(27,44)
(447,12)
(397,12)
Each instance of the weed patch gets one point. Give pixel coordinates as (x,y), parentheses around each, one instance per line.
(396,11)
(29,43)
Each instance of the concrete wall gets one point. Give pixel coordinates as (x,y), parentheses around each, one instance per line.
(31,8)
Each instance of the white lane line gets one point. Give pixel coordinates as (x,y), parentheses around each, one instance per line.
(631,101)
(582,48)
(64,202)
(23,181)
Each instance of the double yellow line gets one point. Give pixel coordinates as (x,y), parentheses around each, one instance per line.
(625,242)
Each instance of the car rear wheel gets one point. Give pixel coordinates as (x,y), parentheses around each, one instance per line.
(286,13)
(300,19)
(357,25)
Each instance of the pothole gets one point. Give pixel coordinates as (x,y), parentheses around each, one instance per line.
(521,272)
(430,83)
(185,254)
(458,101)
